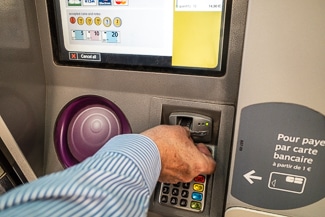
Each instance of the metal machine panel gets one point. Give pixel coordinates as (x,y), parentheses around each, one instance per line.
(278,156)
(14,168)
(22,79)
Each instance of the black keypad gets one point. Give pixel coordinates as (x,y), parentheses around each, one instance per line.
(189,196)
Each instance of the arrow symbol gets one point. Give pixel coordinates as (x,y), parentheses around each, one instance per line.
(249,177)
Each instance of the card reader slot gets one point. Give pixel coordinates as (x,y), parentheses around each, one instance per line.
(185,122)
(200,126)
(201,133)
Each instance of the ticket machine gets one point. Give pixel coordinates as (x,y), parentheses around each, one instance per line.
(244,76)
(116,67)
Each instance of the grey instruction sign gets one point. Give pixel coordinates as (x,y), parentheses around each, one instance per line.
(280,156)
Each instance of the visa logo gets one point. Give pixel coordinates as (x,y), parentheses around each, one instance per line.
(89,2)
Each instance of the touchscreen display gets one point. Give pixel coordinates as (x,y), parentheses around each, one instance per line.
(157,33)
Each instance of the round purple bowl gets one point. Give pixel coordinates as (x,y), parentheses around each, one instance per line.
(84,125)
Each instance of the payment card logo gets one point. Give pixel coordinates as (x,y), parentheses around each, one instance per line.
(104,2)
(121,2)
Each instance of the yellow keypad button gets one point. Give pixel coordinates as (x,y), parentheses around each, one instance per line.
(198,187)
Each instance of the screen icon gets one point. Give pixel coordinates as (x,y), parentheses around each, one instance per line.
(287,182)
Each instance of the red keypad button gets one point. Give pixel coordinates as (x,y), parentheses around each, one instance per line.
(200,179)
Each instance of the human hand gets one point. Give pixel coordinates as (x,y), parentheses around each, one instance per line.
(181,159)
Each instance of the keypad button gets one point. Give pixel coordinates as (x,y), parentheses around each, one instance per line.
(196,205)
(198,187)
(183,202)
(164,199)
(184,194)
(175,192)
(186,185)
(165,190)
(200,179)
(197,196)
(173,200)
(177,185)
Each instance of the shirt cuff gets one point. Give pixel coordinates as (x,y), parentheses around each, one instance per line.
(142,151)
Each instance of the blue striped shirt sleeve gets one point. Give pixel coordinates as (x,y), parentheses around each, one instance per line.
(117,181)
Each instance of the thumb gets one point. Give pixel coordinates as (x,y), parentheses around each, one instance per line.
(204,149)
(209,163)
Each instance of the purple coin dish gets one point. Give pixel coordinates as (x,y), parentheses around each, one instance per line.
(84,125)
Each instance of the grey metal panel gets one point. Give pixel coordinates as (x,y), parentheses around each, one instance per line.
(22,82)
(14,154)
(283,62)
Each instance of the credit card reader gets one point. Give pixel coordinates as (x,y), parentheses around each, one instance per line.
(200,125)
(189,196)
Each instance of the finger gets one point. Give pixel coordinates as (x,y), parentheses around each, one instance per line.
(168,179)
(204,149)
(188,132)
(209,166)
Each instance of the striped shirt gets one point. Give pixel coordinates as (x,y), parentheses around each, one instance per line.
(117,181)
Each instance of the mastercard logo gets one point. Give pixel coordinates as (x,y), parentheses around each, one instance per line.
(121,2)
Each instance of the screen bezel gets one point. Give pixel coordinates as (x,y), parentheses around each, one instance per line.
(61,55)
